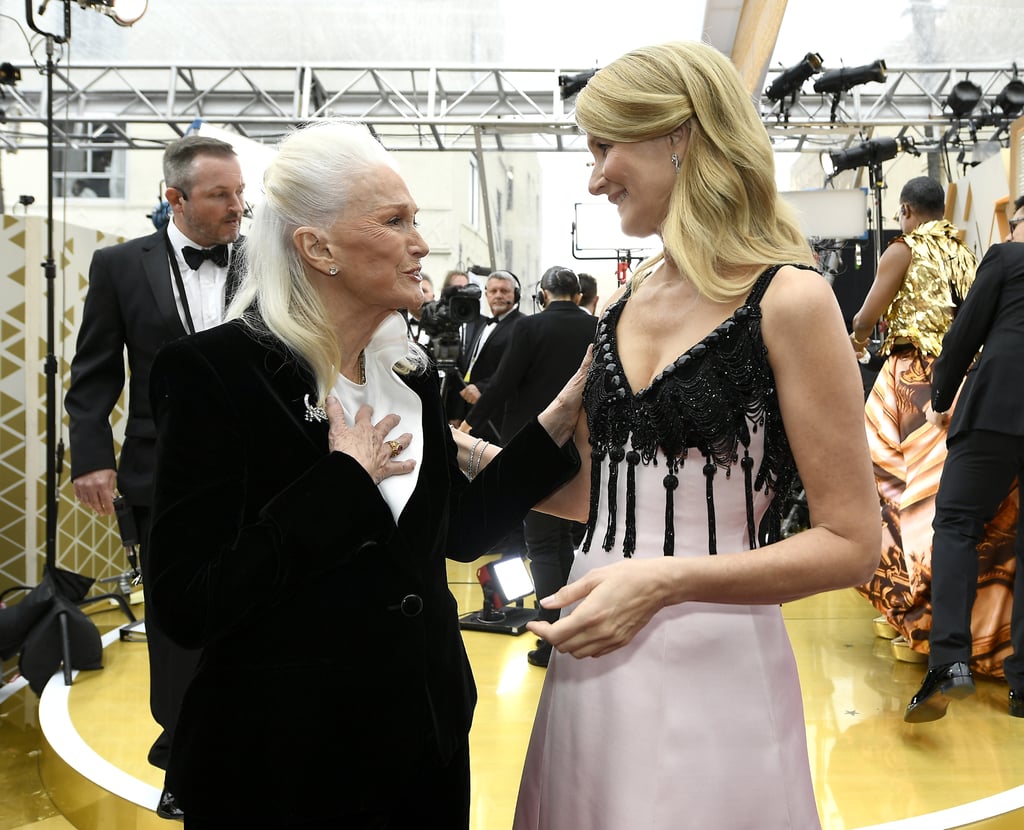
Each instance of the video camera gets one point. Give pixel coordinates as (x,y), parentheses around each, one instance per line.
(442,318)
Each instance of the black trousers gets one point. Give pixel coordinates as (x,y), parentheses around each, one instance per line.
(978,472)
(170,666)
(550,547)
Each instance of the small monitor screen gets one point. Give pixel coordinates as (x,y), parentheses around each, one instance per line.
(512,578)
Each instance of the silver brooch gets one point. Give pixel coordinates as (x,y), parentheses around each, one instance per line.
(314,413)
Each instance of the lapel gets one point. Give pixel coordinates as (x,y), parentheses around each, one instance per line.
(157,273)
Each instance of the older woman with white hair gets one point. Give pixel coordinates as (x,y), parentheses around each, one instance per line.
(308,490)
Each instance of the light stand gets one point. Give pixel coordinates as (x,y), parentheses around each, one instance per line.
(870,154)
(52,614)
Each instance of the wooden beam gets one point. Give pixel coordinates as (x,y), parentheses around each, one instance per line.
(754,45)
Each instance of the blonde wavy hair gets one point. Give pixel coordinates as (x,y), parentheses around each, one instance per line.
(306,183)
(725,220)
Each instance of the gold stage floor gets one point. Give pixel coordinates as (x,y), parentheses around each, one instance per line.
(871,770)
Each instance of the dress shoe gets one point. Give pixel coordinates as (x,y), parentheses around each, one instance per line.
(168,807)
(1017,703)
(951,681)
(540,656)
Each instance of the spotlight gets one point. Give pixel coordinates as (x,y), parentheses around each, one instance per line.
(789,81)
(122,12)
(963,98)
(874,151)
(836,81)
(505,582)
(1011,98)
(571,84)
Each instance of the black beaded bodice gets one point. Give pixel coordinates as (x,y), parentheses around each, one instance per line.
(702,408)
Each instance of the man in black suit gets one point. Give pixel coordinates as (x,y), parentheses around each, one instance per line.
(142,294)
(986,453)
(544,351)
(487,346)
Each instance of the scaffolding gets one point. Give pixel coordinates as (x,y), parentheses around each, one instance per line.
(446,107)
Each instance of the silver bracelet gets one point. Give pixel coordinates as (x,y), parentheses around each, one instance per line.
(470,472)
(474,463)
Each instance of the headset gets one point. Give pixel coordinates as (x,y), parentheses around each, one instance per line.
(501,272)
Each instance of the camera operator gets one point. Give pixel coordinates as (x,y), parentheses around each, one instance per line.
(445,321)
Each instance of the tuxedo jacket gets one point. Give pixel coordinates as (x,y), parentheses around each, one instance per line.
(992,316)
(129,306)
(543,352)
(487,361)
(332,657)
(486,365)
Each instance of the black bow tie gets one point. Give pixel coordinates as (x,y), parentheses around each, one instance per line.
(195,256)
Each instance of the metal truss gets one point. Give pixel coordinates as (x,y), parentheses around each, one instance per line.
(440,108)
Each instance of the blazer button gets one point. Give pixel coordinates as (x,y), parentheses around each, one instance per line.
(412,605)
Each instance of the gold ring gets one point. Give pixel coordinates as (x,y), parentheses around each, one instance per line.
(396,447)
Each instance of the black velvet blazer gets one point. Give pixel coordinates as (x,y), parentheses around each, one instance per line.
(332,652)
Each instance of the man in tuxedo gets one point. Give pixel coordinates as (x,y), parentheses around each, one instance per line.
(487,346)
(543,352)
(142,294)
(986,454)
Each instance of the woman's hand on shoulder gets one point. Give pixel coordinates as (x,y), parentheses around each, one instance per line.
(365,441)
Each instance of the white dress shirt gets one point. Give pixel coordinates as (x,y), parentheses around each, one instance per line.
(204,289)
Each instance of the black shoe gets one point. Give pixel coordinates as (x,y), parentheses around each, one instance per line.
(1017,703)
(951,681)
(539,656)
(168,807)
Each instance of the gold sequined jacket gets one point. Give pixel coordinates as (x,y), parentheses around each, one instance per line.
(940,273)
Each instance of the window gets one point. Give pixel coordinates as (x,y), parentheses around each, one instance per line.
(88,171)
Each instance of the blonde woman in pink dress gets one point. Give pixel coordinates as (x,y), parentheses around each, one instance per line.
(720,371)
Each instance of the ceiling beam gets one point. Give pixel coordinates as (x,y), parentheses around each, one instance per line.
(754,44)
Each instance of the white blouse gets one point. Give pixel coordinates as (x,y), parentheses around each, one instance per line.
(385,391)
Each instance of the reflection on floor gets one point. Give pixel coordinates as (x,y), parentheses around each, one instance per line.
(870,768)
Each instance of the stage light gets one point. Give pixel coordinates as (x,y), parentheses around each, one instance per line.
(836,81)
(871,152)
(789,81)
(1011,98)
(571,84)
(505,582)
(122,12)
(963,98)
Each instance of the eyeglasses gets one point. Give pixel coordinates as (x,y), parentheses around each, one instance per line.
(1014,223)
